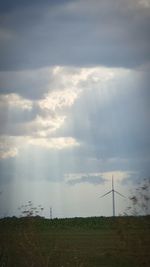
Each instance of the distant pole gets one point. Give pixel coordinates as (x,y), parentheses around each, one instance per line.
(51,213)
(113,196)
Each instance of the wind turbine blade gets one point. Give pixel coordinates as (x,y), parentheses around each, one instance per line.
(106,193)
(119,194)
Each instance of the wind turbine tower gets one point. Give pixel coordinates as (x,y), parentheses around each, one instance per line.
(113,196)
(113,191)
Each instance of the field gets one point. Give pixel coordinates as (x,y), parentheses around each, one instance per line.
(77,242)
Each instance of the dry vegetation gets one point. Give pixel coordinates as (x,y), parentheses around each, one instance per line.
(88,242)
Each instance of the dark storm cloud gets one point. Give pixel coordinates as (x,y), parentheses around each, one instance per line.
(7,5)
(108,33)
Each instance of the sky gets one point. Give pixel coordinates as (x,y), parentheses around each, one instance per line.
(74,104)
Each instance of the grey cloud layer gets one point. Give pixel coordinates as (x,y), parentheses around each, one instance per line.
(113,131)
(82,32)
(65,119)
(109,119)
(29,84)
(87,179)
(113,122)
(7,5)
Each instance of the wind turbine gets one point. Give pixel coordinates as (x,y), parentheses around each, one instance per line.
(113,191)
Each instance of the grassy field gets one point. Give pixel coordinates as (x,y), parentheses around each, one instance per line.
(88,242)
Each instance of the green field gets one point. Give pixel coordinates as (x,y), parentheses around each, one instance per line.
(88,242)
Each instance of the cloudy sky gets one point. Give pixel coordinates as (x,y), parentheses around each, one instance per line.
(74,103)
